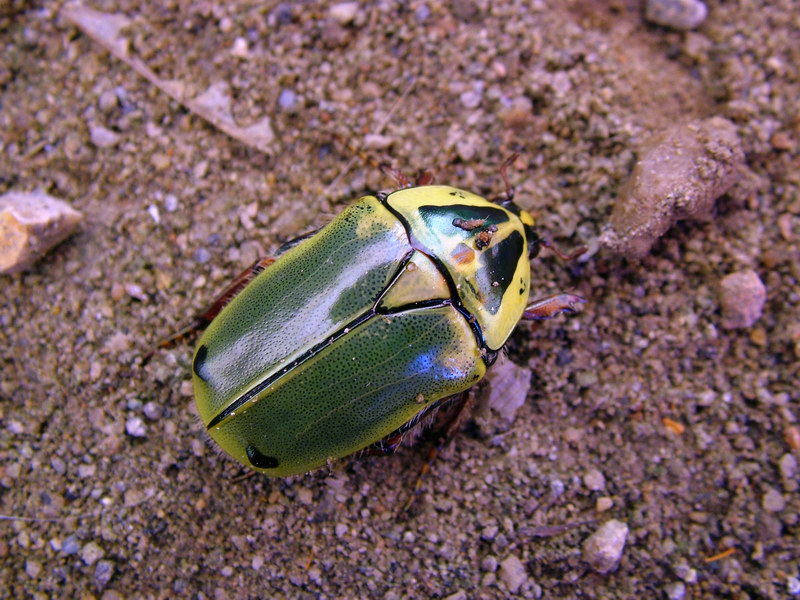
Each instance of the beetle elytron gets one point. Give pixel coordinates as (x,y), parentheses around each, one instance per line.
(353,334)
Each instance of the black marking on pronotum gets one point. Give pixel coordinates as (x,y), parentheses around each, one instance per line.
(199,361)
(259,460)
(455,298)
(464,212)
(502,263)
(308,354)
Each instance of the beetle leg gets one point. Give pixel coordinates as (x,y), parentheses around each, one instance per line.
(202,320)
(550,306)
(230,292)
(543,241)
(399,177)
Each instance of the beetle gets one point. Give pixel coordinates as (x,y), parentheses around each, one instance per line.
(349,337)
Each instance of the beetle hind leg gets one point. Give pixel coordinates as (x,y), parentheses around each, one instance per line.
(202,320)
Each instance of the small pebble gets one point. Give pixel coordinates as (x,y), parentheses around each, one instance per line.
(287,100)
(103,573)
(603,549)
(133,496)
(257,562)
(70,546)
(518,113)
(154,213)
(603,504)
(773,501)
(33,568)
(513,573)
(373,141)
(742,297)
(780,140)
(682,15)
(340,530)
(685,573)
(135,291)
(136,427)
(305,496)
(102,137)
(171,203)
(240,48)
(471,99)
(793,586)
(153,410)
(160,161)
(226,24)
(186,388)
(675,591)
(30,225)
(344,12)
(489,564)
(787,465)
(86,471)
(108,101)
(459,595)
(594,480)
(91,553)
(202,256)
(60,467)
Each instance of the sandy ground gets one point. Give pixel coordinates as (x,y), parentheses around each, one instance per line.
(643,408)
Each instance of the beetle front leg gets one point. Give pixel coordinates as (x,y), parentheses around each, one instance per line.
(550,306)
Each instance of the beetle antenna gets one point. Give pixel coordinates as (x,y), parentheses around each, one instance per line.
(504,174)
(399,177)
(424,178)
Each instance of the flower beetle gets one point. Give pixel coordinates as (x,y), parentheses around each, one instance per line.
(353,334)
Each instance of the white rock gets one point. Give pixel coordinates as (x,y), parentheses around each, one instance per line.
(30,225)
(603,549)
(677,14)
(344,12)
(508,388)
(102,137)
(513,573)
(742,297)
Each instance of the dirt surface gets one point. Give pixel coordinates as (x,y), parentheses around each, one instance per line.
(643,408)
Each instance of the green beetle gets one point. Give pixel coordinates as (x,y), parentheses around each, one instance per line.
(356,332)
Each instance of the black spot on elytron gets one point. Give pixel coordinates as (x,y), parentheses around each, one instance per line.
(259,460)
(200,361)
(501,262)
